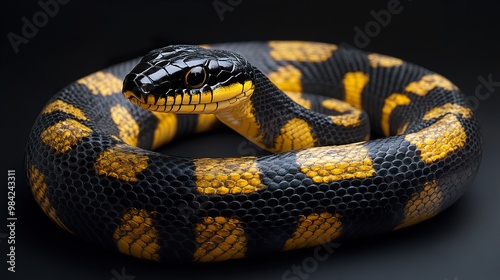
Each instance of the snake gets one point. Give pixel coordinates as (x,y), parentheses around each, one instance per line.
(360,144)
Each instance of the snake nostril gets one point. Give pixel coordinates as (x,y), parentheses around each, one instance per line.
(147,88)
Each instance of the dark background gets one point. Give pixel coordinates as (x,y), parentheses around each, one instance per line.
(459,39)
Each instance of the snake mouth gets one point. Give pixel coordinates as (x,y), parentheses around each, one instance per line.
(205,102)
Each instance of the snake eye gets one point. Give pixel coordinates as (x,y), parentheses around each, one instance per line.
(195,77)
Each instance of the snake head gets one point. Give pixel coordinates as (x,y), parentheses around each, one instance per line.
(189,79)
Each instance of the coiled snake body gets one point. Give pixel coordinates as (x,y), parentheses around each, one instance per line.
(91,169)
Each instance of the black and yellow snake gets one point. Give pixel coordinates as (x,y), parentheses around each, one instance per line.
(91,169)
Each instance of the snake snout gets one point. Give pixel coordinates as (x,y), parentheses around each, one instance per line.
(140,88)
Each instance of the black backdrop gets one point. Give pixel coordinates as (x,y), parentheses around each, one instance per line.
(459,39)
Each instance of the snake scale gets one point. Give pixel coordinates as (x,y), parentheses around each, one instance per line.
(92,169)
